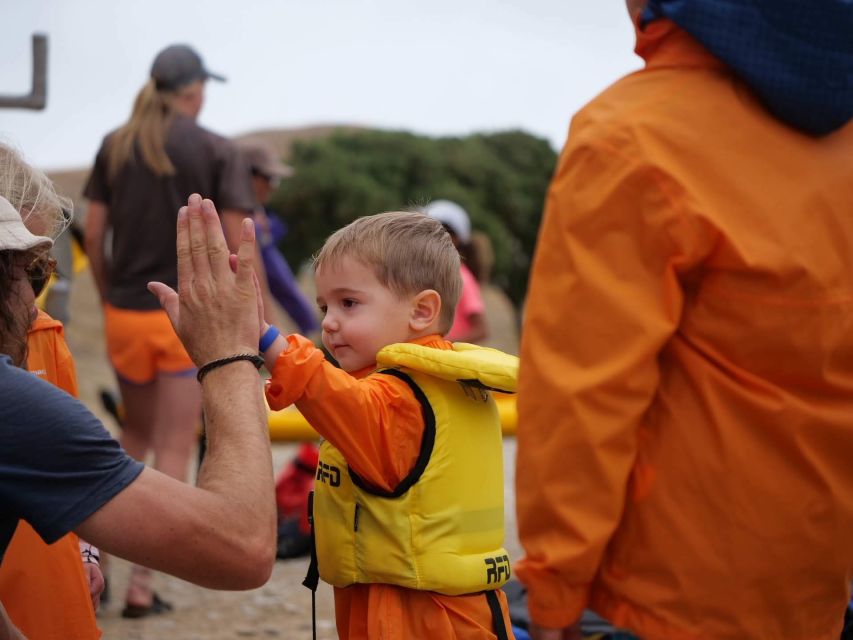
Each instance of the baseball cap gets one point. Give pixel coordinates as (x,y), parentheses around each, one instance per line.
(14,236)
(451,214)
(263,159)
(178,65)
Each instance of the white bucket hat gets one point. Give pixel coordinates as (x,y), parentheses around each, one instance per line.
(452,215)
(14,236)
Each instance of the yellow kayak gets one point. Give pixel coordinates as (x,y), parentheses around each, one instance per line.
(288,425)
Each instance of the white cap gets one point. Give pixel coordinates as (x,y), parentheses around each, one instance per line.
(14,236)
(452,215)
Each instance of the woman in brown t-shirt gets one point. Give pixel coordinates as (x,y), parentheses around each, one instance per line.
(143,173)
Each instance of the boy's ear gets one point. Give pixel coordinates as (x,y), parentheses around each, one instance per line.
(426,307)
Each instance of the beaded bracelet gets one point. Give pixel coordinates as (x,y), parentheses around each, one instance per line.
(254,358)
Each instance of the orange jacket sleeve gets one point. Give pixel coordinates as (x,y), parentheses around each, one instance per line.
(375,422)
(603,299)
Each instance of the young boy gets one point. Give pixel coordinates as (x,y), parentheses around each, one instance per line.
(408,506)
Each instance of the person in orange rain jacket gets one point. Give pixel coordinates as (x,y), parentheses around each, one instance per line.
(386,280)
(51,592)
(686,387)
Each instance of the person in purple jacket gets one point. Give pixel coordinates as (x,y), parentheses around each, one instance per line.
(267,170)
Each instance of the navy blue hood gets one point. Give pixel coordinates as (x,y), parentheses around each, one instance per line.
(797,55)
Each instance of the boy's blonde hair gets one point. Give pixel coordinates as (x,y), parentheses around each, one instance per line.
(409,252)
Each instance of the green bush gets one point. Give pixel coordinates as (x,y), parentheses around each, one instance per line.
(499,178)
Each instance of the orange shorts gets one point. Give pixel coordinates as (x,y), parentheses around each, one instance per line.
(142,344)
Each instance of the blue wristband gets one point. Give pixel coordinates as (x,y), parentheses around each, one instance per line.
(268,338)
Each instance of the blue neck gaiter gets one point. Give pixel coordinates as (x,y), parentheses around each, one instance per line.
(796,55)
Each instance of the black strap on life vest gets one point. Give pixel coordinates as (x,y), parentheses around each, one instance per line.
(312,578)
(426,448)
(497,615)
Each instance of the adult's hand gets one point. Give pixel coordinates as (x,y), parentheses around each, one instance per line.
(214,311)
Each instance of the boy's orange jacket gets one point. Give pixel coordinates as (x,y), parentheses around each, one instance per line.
(377,424)
(686,388)
(44,587)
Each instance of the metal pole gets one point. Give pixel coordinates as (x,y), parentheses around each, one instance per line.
(37,97)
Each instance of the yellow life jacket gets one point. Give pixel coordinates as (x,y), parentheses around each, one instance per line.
(442,528)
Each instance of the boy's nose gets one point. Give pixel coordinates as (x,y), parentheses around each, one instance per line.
(329,323)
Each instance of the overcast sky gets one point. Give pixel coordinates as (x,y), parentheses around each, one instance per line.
(438,67)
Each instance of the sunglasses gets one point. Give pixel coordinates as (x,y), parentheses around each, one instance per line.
(274,181)
(39,272)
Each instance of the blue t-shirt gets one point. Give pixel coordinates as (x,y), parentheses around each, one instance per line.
(58,465)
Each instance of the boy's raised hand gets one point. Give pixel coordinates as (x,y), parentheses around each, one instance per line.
(214,311)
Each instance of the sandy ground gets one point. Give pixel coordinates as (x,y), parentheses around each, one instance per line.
(281,608)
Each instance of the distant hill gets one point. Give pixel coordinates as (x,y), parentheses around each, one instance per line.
(70,182)
(282,139)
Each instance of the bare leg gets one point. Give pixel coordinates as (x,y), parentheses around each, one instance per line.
(140,411)
(172,412)
(137,436)
(178,420)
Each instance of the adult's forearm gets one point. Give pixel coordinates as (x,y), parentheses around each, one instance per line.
(220,534)
(238,465)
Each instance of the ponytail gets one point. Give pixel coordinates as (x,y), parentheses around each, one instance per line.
(147,127)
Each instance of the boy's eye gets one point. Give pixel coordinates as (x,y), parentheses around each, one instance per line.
(323,309)
(348,303)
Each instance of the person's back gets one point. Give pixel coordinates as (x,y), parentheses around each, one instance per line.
(721,342)
(766,325)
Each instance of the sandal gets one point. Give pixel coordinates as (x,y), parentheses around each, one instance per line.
(157,607)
